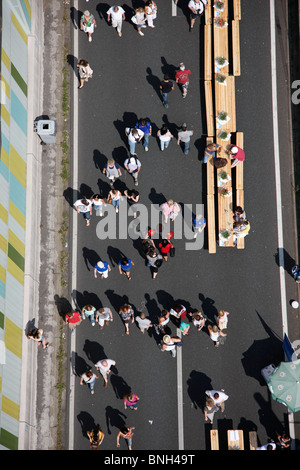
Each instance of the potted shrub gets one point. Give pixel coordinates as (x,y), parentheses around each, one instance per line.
(224,135)
(221,62)
(221,79)
(219,6)
(224,235)
(225,192)
(223,117)
(220,23)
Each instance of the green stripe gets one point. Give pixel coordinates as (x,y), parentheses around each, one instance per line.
(15,256)
(8,440)
(2,320)
(15,74)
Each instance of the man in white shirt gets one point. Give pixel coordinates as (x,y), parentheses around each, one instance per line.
(133,166)
(116,15)
(134,137)
(104,368)
(196,9)
(218,397)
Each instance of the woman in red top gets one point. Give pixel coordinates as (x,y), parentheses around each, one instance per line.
(165,247)
(73,319)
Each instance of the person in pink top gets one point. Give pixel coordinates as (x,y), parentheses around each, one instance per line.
(131,401)
(170,209)
(236,154)
(182,78)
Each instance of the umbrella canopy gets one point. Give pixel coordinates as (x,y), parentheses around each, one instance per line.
(284,384)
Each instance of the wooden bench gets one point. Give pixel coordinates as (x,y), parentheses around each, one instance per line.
(208,52)
(208,13)
(236,60)
(237,9)
(214,439)
(235,439)
(253,440)
(225,214)
(211,222)
(225,101)
(239,169)
(210,120)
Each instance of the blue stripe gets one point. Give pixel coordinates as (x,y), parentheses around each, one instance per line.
(26,13)
(5,143)
(17,194)
(18,112)
(2,289)
(4,171)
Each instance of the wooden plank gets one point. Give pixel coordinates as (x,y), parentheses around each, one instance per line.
(225,214)
(240,243)
(210,171)
(236,60)
(252,440)
(208,52)
(220,36)
(211,223)
(214,439)
(208,12)
(240,166)
(235,441)
(210,124)
(237,13)
(225,101)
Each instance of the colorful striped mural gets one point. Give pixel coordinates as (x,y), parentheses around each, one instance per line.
(16,24)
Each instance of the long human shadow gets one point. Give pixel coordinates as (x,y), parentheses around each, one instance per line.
(72,61)
(129,120)
(115,255)
(79,365)
(86,422)
(183,6)
(197,384)
(86,191)
(120,386)
(156,198)
(154,81)
(85,298)
(288,261)
(94,351)
(114,418)
(208,308)
(75,16)
(101,9)
(263,352)
(172,126)
(247,425)
(168,69)
(63,306)
(90,257)
(71,195)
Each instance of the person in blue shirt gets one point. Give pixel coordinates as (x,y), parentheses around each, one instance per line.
(145,126)
(125,266)
(102,267)
(198,223)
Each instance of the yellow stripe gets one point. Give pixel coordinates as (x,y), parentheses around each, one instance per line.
(5,59)
(17,214)
(10,408)
(17,166)
(13,337)
(16,243)
(3,214)
(3,243)
(19,28)
(5,115)
(15,271)
(2,274)
(5,86)
(28,8)
(5,157)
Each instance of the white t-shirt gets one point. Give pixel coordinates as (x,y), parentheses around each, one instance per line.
(132,166)
(82,207)
(143,323)
(197,6)
(222,396)
(116,15)
(103,368)
(131,137)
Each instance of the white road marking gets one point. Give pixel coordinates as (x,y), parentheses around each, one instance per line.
(174,8)
(179,396)
(278,186)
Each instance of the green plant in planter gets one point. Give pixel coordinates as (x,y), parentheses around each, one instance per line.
(225,234)
(222,116)
(220,61)
(219,6)
(223,175)
(223,135)
(221,78)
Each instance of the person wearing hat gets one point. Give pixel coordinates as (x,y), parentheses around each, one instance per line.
(103,268)
(133,166)
(236,154)
(169,344)
(88,24)
(182,78)
(184,136)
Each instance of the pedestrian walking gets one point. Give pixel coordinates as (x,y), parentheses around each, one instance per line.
(73,319)
(222,320)
(127,433)
(37,335)
(114,198)
(151,12)
(134,137)
(88,24)
(296,273)
(89,311)
(170,210)
(84,206)
(184,138)
(131,401)
(125,267)
(133,197)
(236,154)
(164,136)
(143,322)
(104,316)
(103,268)
(211,150)
(198,320)
(215,334)
(239,214)
(196,8)
(95,437)
(139,19)
(112,170)
(85,71)
(184,328)
(104,368)
(89,378)
(145,126)
(166,247)
(166,86)
(210,409)
(116,15)
(162,323)
(98,203)
(169,343)
(154,261)
(182,78)
(127,314)
(198,224)
(179,312)
(219,398)
(133,166)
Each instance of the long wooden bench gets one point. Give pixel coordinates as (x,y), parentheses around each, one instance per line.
(225,214)
(214,439)
(211,222)
(252,440)
(208,52)
(225,101)
(239,175)
(237,9)
(236,60)
(210,118)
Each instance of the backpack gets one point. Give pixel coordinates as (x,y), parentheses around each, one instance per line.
(158,263)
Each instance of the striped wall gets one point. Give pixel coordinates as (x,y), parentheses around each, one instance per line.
(16,23)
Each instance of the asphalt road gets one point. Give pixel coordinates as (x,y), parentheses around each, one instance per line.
(124,88)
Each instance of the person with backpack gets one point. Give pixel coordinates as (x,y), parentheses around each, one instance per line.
(145,126)
(112,171)
(134,137)
(133,166)
(154,261)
